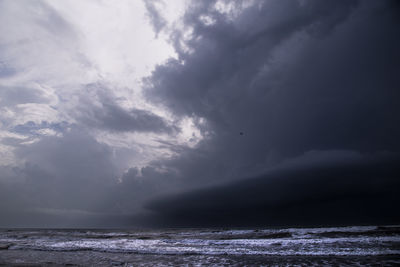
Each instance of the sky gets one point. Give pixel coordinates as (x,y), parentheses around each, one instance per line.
(199,113)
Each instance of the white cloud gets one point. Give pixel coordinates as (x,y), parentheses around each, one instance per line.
(50,51)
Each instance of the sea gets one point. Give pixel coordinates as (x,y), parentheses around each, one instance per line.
(333,246)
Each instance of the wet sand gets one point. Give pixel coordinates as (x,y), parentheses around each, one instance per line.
(93,258)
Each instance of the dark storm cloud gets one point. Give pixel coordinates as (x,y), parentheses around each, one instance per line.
(289,89)
(361,190)
(311,85)
(294,77)
(322,75)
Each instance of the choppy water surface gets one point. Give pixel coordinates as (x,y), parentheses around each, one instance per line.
(368,242)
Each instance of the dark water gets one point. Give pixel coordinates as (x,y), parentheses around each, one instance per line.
(357,246)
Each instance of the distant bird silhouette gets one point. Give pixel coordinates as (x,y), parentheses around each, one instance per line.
(241,133)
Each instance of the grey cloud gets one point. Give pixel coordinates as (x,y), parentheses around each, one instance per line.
(103,112)
(313,87)
(140,185)
(72,172)
(50,27)
(51,20)
(31,128)
(156,19)
(133,120)
(294,78)
(115,118)
(353,192)
(78,149)
(288,89)
(73,181)
(11,96)
(5,70)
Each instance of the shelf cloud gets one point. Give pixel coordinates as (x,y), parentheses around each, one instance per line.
(199,113)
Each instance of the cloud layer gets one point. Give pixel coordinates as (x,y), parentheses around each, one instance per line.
(243,112)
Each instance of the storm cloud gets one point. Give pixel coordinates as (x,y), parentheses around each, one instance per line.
(361,190)
(292,77)
(237,113)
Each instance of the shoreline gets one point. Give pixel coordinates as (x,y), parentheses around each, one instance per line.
(93,258)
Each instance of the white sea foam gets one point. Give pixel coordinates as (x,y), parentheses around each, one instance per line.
(302,241)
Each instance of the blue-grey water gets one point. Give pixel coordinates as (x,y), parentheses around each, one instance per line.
(361,245)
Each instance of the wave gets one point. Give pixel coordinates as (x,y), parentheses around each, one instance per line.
(354,241)
(256,235)
(234,252)
(378,231)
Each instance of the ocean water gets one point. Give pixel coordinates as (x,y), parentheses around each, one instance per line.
(361,245)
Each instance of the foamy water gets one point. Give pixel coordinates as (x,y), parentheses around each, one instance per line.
(343,241)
